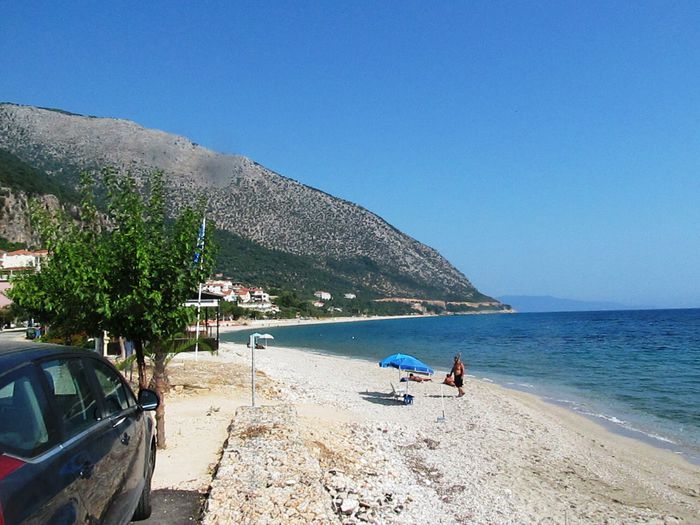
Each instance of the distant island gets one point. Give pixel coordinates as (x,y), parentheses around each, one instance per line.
(546,303)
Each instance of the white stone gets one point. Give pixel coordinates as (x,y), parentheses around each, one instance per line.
(349,506)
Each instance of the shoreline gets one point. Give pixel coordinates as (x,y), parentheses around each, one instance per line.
(528,455)
(281,323)
(610,425)
(605,425)
(499,456)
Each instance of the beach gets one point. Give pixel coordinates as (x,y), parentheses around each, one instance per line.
(497,456)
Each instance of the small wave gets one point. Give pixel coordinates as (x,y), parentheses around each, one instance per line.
(613,419)
(568,403)
(487,379)
(627,426)
(523,385)
(656,436)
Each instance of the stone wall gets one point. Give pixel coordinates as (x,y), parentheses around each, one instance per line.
(266,474)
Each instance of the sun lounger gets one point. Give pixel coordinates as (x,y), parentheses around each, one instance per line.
(398,393)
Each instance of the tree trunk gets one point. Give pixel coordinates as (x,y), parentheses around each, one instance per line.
(122,348)
(141,363)
(160,381)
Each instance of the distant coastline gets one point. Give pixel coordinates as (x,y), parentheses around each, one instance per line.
(235,326)
(547,303)
(276,323)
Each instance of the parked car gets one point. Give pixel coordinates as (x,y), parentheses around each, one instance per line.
(76,445)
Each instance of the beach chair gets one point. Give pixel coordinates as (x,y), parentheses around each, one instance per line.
(398,393)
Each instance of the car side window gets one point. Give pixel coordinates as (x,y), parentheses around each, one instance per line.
(23,429)
(69,384)
(116,395)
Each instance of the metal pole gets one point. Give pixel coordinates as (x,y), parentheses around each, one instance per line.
(252,368)
(199,309)
(199,298)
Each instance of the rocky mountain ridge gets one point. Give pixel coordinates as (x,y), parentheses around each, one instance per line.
(244,198)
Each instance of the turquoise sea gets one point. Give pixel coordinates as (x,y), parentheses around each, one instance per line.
(638,372)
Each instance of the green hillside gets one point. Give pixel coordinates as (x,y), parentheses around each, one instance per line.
(18,175)
(250,263)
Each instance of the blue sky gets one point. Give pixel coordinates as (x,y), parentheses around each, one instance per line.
(545,148)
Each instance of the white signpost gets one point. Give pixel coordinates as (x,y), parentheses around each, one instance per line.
(252,342)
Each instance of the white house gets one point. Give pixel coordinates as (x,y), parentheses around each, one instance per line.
(258,295)
(242,294)
(20,260)
(350,296)
(229,296)
(324,296)
(218,286)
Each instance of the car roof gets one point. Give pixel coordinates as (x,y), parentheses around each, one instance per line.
(15,352)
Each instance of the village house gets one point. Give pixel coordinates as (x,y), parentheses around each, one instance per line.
(258,295)
(20,260)
(324,296)
(4,299)
(218,286)
(242,294)
(229,296)
(350,296)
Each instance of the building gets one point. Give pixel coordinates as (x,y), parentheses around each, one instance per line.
(20,260)
(350,296)
(219,286)
(4,299)
(258,295)
(242,294)
(324,296)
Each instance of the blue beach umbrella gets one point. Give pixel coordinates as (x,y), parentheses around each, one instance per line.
(405,362)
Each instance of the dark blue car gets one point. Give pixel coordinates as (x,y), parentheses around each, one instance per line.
(76,446)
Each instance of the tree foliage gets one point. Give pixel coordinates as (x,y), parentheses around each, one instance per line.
(128,272)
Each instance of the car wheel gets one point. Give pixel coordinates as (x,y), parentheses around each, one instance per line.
(143,509)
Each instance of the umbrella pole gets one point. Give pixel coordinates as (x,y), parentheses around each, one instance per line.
(442,396)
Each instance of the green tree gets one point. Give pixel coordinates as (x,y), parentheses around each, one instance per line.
(129,272)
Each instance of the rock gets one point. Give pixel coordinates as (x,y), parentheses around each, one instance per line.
(349,506)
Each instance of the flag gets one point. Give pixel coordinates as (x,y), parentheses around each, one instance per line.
(200,241)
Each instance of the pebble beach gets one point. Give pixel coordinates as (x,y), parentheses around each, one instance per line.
(328,443)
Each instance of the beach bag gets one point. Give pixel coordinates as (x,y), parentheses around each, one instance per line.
(407,399)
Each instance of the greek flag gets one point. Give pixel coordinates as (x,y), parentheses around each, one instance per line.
(200,241)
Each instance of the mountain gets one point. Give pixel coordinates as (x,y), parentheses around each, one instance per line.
(545,303)
(318,237)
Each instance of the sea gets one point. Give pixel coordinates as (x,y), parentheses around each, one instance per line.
(636,372)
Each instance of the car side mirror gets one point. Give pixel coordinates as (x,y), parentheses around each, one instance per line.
(148,399)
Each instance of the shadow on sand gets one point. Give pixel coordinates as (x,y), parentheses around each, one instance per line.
(381,398)
(175,507)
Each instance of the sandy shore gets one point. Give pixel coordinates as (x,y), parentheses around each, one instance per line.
(499,456)
(235,326)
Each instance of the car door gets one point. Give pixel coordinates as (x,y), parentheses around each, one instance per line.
(127,458)
(30,490)
(86,436)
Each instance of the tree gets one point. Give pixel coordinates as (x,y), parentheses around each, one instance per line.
(128,272)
